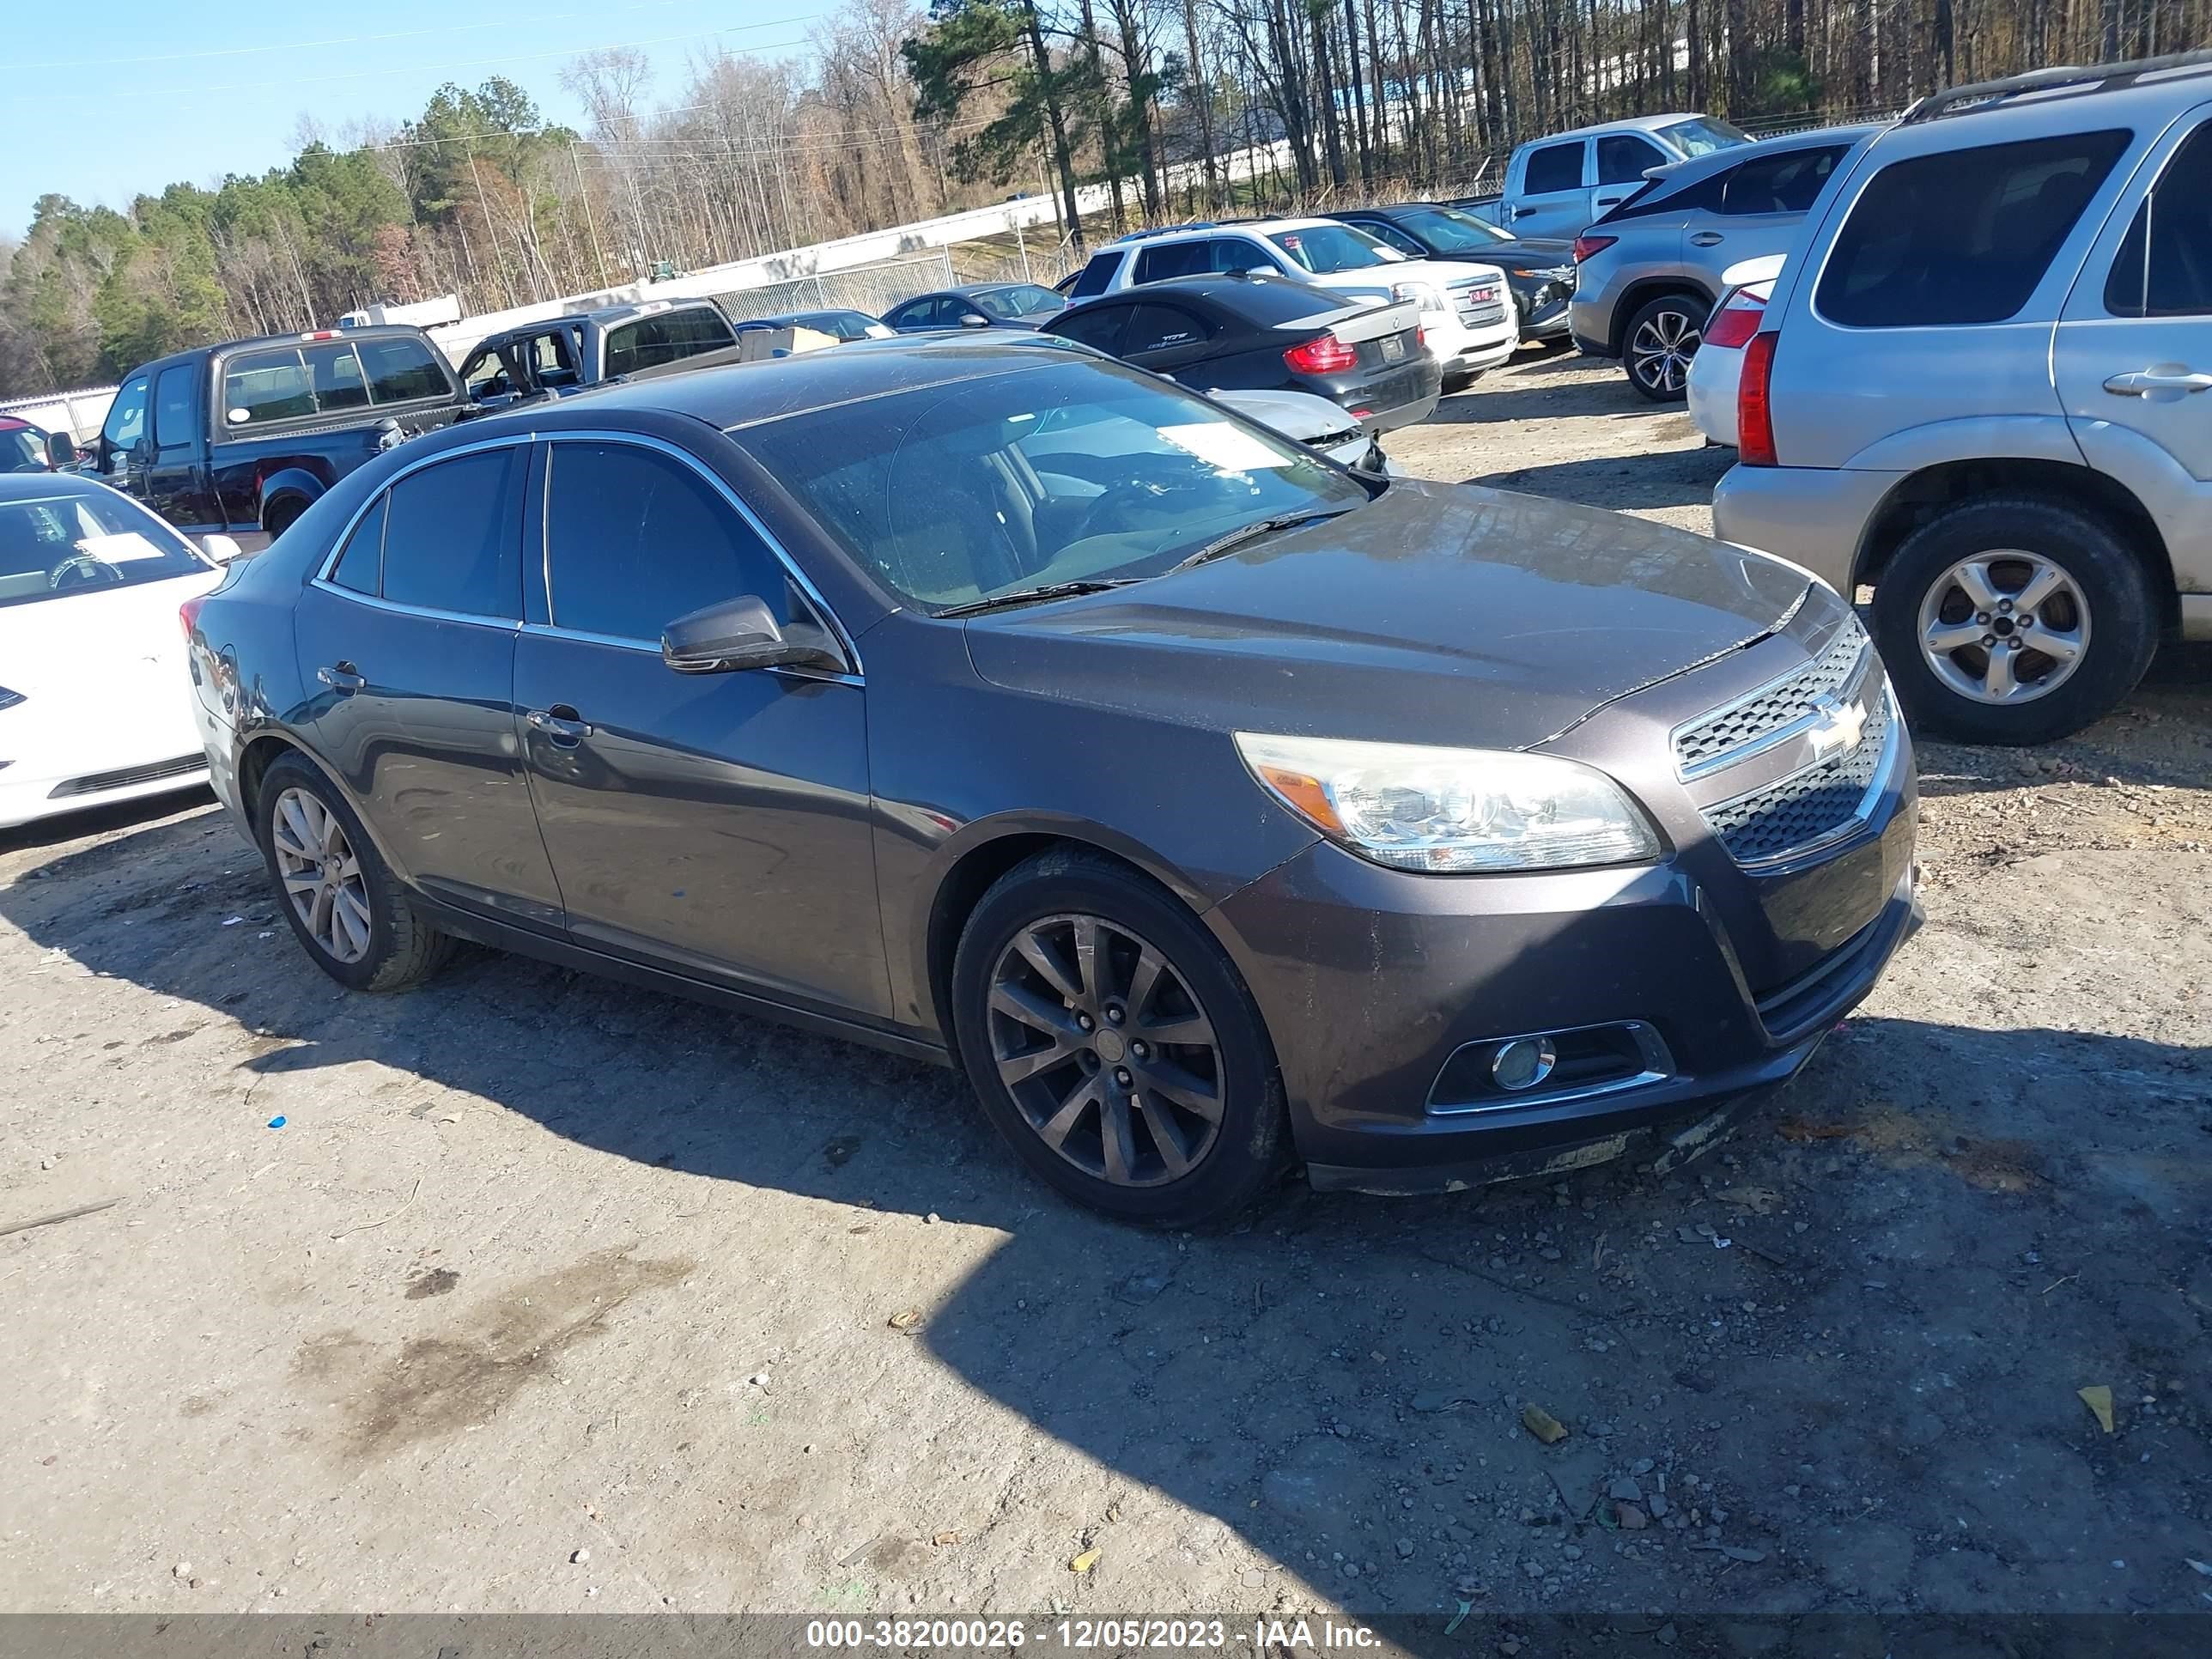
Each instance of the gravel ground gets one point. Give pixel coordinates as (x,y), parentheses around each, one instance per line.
(554,1295)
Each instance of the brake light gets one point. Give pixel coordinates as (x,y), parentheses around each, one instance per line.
(1754,402)
(321,334)
(1588,247)
(1322,355)
(1735,322)
(188,613)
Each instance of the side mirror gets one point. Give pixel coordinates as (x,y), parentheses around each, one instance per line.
(222,548)
(743,633)
(974,319)
(61,450)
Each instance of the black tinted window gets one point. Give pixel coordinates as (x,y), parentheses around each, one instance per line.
(1779,183)
(1163,328)
(1962,237)
(173,421)
(1100,328)
(336,372)
(634,539)
(361,566)
(2165,266)
(1171,259)
(451,538)
(1623,158)
(1555,166)
(1096,275)
(401,369)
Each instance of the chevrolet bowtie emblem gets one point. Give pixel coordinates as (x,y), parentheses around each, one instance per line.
(1838,728)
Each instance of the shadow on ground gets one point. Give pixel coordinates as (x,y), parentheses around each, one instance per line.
(1831,1367)
(1672,478)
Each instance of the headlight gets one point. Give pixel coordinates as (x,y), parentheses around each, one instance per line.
(9,699)
(1421,293)
(1415,807)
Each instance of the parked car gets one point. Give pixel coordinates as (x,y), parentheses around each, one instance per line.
(1541,274)
(1467,316)
(27,448)
(846,324)
(1554,186)
(558,355)
(1016,708)
(1261,333)
(240,439)
(1717,370)
(93,703)
(1979,388)
(1490,208)
(1650,271)
(979,305)
(1314,421)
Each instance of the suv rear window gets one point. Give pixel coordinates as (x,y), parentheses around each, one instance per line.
(1787,182)
(1962,237)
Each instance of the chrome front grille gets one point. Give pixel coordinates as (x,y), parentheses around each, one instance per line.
(1802,811)
(1478,300)
(1728,735)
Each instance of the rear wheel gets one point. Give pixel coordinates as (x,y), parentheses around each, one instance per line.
(2014,622)
(1661,338)
(1114,1045)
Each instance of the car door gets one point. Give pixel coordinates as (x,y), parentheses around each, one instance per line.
(716,823)
(1755,209)
(1168,339)
(1623,158)
(407,641)
(176,485)
(1555,198)
(1098,326)
(2134,352)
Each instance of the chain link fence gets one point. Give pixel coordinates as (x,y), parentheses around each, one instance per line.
(872,289)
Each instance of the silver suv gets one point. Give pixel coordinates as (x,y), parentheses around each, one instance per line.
(1979,389)
(1649,272)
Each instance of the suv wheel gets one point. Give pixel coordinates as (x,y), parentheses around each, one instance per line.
(343,902)
(1114,1045)
(2014,622)
(1661,338)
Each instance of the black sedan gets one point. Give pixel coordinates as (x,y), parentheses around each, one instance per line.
(1245,332)
(1539,270)
(1207,803)
(979,305)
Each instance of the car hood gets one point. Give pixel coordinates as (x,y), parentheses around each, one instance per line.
(99,649)
(1438,613)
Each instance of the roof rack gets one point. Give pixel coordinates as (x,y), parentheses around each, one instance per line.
(2095,77)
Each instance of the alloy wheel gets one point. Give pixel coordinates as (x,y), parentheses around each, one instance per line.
(322,877)
(1659,353)
(2006,626)
(1106,1050)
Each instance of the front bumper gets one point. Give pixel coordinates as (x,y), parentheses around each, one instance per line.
(1816,517)
(1460,349)
(1371,980)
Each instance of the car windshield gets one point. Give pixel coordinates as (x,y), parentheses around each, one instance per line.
(1326,248)
(54,546)
(23,449)
(1703,135)
(1450,231)
(1063,471)
(1023,299)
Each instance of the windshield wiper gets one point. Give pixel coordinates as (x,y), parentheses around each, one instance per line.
(1252,532)
(1033,595)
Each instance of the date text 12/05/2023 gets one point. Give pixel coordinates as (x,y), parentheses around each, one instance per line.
(1087,1634)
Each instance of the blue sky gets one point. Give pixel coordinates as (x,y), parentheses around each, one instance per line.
(126,98)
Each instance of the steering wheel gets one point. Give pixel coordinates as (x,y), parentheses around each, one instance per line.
(82,570)
(1135,503)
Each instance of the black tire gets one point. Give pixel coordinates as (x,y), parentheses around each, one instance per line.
(2122,620)
(1244,1155)
(1673,316)
(402,950)
(1459,380)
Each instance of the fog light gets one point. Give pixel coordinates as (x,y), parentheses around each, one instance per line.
(1523,1063)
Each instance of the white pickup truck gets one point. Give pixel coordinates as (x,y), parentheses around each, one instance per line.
(1556,186)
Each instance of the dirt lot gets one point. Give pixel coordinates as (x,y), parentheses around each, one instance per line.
(550,1295)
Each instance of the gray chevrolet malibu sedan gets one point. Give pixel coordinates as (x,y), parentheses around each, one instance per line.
(1210,805)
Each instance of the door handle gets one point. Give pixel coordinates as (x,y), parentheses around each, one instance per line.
(341,677)
(560,723)
(2166,377)
(1705,237)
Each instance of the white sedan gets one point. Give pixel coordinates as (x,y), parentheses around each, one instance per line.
(94,704)
(1718,366)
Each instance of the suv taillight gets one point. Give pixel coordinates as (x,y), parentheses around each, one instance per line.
(1754,402)
(1736,321)
(1322,355)
(1587,246)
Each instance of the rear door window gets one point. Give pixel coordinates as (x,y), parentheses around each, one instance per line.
(1167,259)
(1553,167)
(1787,183)
(1100,328)
(2164,267)
(453,536)
(1098,275)
(400,370)
(361,566)
(1163,328)
(1961,237)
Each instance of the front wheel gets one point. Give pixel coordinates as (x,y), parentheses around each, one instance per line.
(2014,622)
(1114,1045)
(1663,337)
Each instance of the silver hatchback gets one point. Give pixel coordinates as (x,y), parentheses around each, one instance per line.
(1649,272)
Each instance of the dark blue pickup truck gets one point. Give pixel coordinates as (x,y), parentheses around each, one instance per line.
(237,439)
